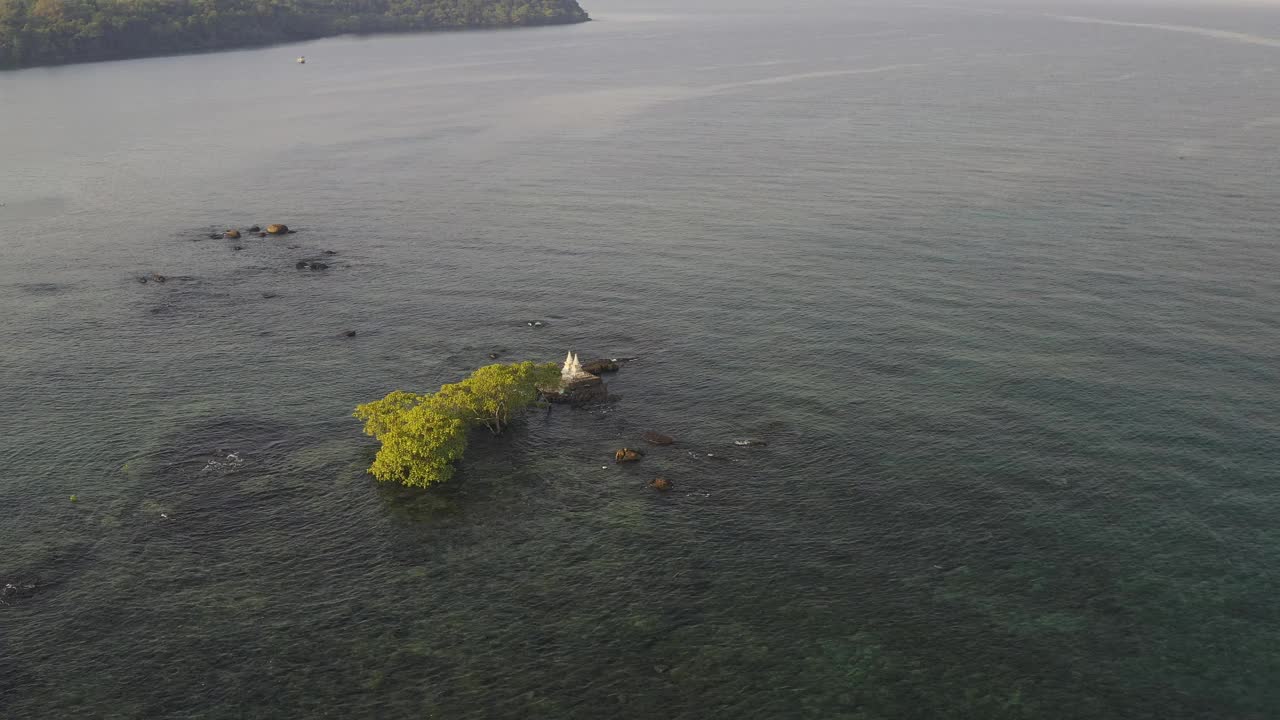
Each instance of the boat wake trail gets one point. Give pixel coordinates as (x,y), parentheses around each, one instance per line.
(1215,33)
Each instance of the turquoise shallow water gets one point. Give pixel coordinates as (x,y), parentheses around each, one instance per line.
(997,287)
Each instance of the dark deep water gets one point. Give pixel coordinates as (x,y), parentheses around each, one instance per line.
(998,288)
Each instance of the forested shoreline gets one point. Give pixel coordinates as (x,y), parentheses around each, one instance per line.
(48,32)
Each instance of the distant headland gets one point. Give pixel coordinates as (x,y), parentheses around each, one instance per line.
(51,32)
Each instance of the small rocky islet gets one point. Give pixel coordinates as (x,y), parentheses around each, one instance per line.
(582,383)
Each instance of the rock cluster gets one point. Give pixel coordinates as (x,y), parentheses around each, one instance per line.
(237,233)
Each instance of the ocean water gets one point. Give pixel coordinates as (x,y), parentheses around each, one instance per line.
(996,283)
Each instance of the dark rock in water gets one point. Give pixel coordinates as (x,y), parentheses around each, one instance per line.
(269,295)
(255,228)
(330,252)
(302,265)
(232,234)
(318,265)
(311,265)
(349,333)
(603,365)
(656,438)
(277,229)
(662,484)
(214,236)
(262,234)
(494,355)
(626,455)
(750,442)
(585,392)
(293,247)
(237,247)
(158,277)
(534,323)
(142,280)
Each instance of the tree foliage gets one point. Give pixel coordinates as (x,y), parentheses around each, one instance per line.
(423,435)
(37,32)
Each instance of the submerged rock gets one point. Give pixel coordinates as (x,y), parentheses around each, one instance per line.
(626,455)
(158,277)
(349,333)
(254,228)
(656,438)
(13,591)
(277,229)
(311,265)
(662,484)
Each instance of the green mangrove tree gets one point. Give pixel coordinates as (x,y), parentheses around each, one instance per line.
(423,435)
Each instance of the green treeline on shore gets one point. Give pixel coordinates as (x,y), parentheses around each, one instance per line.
(44,32)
